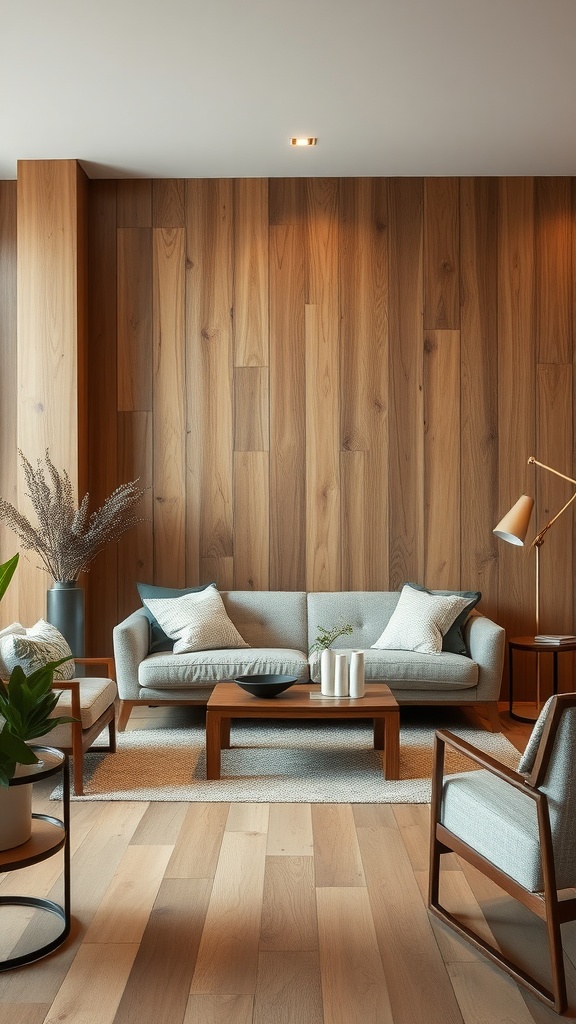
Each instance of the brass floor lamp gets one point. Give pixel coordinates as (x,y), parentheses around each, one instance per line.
(514,527)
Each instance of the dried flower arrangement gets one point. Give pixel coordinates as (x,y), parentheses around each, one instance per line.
(67,539)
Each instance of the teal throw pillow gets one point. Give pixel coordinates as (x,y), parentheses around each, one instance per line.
(453,640)
(158,640)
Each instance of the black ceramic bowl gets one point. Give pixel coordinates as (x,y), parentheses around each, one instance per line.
(265,685)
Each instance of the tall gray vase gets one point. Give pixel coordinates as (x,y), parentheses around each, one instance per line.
(65,610)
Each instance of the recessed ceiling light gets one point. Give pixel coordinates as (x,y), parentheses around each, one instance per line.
(303,142)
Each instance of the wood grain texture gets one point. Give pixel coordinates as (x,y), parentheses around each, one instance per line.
(251,521)
(289,831)
(134,288)
(288,912)
(406,441)
(251,288)
(377,955)
(342,406)
(442,499)
(441,254)
(364,382)
(197,847)
(403,931)
(171,938)
(323,566)
(8,374)
(337,859)
(51,334)
(479,388)
(288,989)
(554,383)
(251,409)
(516,364)
(287,408)
(102,464)
(134,203)
(168,203)
(209,338)
(227,961)
(353,980)
(82,997)
(169,398)
(553,268)
(135,549)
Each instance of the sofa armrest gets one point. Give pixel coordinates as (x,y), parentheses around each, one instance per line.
(131,638)
(486,642)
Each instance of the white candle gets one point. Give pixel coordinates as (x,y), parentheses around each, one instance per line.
(341,676)
(357,674)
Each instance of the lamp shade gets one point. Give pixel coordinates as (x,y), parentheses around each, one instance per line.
(514,526)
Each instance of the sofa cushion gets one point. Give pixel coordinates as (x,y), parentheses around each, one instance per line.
(453,640)
(419,621)
(179,671)
(159,641)
(408,670)
(96,695)
(198,622)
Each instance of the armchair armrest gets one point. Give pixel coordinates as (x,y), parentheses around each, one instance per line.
(107,661)
(444,738)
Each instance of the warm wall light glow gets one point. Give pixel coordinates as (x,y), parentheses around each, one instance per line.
(303,142)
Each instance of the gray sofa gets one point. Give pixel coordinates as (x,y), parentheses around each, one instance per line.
(280,628)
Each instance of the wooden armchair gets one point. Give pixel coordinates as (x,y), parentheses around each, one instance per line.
(519,829)
(92,701)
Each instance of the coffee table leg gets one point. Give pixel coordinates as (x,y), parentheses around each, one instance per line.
(392,746)
(378,734)
(213,736)
(225,733)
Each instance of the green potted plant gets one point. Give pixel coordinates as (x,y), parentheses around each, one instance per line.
(26,704)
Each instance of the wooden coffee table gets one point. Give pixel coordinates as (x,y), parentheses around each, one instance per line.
(228,701)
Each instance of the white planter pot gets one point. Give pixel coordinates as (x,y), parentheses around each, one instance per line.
(15,815)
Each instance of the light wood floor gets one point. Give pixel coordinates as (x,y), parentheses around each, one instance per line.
(268,914)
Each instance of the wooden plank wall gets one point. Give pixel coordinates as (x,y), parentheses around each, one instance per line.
(333,383)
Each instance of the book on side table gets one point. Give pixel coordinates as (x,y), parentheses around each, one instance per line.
(551,638)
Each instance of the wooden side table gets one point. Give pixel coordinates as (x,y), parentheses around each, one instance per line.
(529,643)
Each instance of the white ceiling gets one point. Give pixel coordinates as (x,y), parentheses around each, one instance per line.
(215,88)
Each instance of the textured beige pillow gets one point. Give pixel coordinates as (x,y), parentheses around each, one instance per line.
(198,622)
(419,621)
(38,645)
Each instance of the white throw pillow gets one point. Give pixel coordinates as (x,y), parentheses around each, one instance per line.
(34,648)
(14,627)
(198,622)
(419,621)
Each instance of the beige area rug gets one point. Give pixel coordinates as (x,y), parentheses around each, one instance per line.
(281,762)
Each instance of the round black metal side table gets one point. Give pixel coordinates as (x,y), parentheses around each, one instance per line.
(538,647)
(49,835)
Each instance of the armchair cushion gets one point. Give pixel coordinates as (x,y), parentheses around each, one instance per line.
(96,695)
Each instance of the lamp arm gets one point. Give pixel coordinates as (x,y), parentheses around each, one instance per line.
(539,538)
(534,462)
